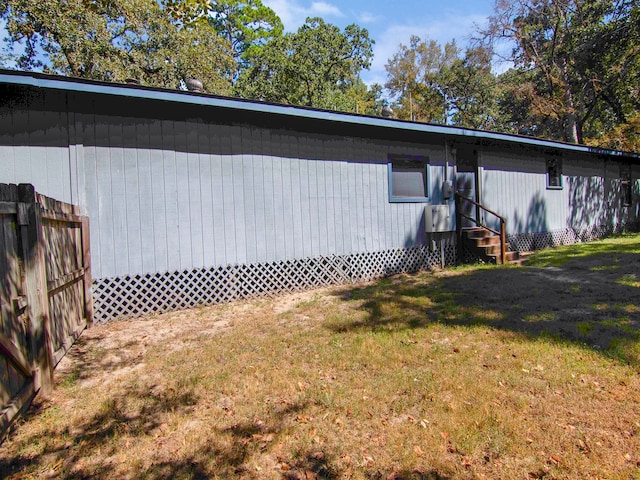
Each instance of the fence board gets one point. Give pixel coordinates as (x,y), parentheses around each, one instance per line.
(45,299)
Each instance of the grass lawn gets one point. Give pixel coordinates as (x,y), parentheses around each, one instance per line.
(474,372)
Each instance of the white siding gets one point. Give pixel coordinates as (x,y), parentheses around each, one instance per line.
(516,188)
(34,147)
(175,194)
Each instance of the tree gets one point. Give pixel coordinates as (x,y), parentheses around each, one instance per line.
(470,90)
(435,84)
(308,66)
(413,77)
(625,136)
(580,58)
(113,40)
(355,97)
(246,24)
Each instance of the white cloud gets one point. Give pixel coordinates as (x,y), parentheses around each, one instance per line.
(323,8)
(293,14)
(368,17)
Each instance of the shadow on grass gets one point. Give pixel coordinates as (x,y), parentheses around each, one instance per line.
(68,454)
(411,475)
(592,300)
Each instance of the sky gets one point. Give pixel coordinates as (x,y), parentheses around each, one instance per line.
(391,22)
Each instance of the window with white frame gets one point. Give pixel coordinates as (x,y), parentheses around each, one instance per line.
(408,178)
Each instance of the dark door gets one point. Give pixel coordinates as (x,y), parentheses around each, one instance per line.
(467,182)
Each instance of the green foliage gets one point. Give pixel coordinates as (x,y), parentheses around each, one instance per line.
(246,24)
(115,40)
(414,74)
(577,65)
(470,89)
(311,67)
(435,84)
(355,97)
(625,136)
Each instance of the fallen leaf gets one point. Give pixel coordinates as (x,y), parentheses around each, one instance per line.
(368,460)
(418,451)
(539,473)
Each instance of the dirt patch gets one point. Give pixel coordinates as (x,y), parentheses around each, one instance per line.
(111,350)
(108,351)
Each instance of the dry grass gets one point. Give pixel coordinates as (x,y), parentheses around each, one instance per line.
(470,373)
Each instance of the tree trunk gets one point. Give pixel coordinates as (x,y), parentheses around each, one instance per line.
(571,126)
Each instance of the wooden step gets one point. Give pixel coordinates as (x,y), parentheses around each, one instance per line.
(476,232)
(513,258)
(486,241)
(487,245)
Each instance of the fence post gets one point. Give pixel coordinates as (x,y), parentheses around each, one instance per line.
(86,264)
(30,221)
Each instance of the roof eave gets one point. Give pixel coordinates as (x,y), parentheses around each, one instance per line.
(38,80)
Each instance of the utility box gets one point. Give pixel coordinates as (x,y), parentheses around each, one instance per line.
(437,218)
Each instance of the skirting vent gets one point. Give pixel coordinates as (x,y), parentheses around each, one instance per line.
(137,295)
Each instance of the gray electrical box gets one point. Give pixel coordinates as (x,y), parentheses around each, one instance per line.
(437,218)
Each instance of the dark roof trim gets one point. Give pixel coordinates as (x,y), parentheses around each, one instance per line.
(39,80)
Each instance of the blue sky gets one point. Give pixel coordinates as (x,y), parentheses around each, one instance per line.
(391,22)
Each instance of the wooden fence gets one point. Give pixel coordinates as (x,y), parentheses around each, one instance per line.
(45,297)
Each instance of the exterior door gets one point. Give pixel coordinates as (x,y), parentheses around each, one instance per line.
(467,182)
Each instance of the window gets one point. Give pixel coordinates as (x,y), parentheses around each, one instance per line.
(626,184)
(554,173)
(408,178)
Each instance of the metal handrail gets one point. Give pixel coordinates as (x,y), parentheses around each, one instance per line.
(503,230)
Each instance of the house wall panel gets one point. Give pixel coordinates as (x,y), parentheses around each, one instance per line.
(187,191)
(34,144)
(515,187)
(155,235)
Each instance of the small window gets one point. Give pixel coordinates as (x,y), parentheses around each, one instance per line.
(626,185)
(554,174)
(408,179)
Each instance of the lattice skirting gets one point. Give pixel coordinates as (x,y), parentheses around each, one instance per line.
(137,295)
(527,242)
